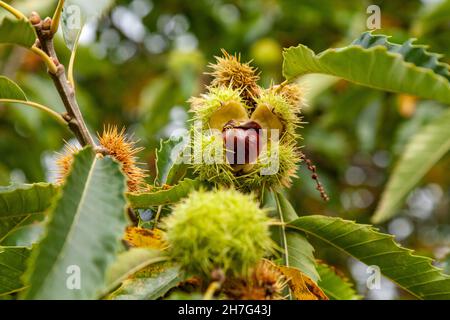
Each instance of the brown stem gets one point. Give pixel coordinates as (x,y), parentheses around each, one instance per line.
(73,117)
(133,217)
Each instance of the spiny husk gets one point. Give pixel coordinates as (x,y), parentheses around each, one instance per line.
(294,96)
(282,108)
(210,105)
(287,154)
(288,159)
(117,145)
(266,282)
(229,71)
(64,162)
(221,229)
(232,90)
(124,150)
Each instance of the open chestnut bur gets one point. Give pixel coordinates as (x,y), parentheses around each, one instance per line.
(248,133)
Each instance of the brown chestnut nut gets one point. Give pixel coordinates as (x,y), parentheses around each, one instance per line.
(242,142)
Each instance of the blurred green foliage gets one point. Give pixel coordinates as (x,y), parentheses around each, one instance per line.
(140,63)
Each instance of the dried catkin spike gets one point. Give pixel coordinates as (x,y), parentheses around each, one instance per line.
(315,177)
(229,71)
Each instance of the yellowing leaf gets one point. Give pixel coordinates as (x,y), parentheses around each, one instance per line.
(302,286)
(144,238)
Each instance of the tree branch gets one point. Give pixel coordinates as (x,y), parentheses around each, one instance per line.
(73,117)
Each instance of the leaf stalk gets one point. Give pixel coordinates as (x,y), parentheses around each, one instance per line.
(52,68)
(12,10)
(57,17)
(65,90)
(38,106)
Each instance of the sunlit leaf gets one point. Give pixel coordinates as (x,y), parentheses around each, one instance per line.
(375,67)
(413,273)
(162,196)
(416,54)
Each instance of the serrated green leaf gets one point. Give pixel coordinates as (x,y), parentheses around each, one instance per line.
(374,67)
(17,31)
(28,234)
(77,12)
(413,273)
(416,54)
(12,266)
(424,149)
(169,170)
(446,263)
(130,262)
(162,196)
(84,231)
(21,205)
(297,251)
(157,283)
(335,287)
(10,90)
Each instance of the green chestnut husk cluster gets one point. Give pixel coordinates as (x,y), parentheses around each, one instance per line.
(222,230)
(234,101)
